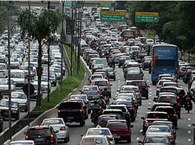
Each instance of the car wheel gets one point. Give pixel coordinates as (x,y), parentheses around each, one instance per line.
(66,139)
(82,123)
(129,139)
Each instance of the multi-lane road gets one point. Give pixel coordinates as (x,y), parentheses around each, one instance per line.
(184,132)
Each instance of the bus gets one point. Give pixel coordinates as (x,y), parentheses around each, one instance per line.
(164,60)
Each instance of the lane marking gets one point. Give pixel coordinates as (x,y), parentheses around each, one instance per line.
(189,139)
(189,125)
(189,118)
(189,131)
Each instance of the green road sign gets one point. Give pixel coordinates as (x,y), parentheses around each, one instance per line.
(112,18)
(69,4)
(106,4)
(151,17)
(112,15)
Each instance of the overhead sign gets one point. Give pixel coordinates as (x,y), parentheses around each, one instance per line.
(112,15)
(106,4)
(152,17)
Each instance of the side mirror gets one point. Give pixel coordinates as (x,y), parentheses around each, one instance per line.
(118,90)
(149,108)
(142,118)
(131,126)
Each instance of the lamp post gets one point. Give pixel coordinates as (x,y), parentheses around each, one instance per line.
(62,51)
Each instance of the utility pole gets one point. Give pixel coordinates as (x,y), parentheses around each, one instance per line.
(28,95)
(9,72)
(48,61)
(72,35)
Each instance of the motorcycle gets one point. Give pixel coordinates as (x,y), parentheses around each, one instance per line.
(188,105)
(107,99)
(94,118)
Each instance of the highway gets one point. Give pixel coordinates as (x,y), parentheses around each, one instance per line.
(184,132)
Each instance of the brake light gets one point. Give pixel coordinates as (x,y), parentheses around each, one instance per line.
(131,108)
(52,137)
(26,137)
(62,128)
(98,93)
(59,111)
(145,122)
(81,111)
(170,136)
(177,69)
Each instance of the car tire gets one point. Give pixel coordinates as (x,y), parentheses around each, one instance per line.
(66,139)
(82,123)
(129,139)
(114,78)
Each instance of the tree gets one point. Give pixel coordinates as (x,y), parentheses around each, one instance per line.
(39,28)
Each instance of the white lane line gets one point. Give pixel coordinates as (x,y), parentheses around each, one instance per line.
(189,131)
(189,125)
(189,139)
(189,118)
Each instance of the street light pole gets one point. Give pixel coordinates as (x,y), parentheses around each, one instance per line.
(72,44)
(62,47)
(9,80)
(28,96)
(48,61)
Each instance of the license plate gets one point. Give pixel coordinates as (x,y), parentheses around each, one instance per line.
(39,139)
(69,117)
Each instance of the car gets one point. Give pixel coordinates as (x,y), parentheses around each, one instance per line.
(170,111)
(130,107)
(126,88)
(155,139)
(22,142)
(161,130)
(160,84)
(133,73)
(72,111)
(103,119)
(94,140)
(101,131)
(4,86)
(21,98)
(4,109)
(41,135)
(102,83)
(153,116)
(59,126)
(142,84)
(83,97)
(92,92)
(95,76)
(120,130)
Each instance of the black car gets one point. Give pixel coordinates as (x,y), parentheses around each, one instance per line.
(41,135)
(4,109)
(146,62)
(142,84)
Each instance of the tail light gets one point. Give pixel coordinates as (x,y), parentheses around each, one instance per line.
(174,116)
(145,122)
(98,93)
(177,69)
(131,108)
(62,128)
(52,137)
(59,111)
(170,136)
(26,137)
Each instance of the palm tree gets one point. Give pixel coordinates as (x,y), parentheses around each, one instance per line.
(39,27)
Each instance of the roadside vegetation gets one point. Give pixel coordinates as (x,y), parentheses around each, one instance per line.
(176,21)
(67,86)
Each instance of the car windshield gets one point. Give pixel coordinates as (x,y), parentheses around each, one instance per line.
(52,121)
(157,115)
(101,83)
(88,88)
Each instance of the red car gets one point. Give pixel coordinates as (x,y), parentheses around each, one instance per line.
(120,130)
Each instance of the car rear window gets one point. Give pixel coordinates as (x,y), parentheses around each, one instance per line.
(117,125)
(168,110)
(101,83)
(70,105)
(137,83)
(41,131)
(157,115)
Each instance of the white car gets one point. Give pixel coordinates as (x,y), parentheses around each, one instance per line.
(4,86)
(94,140)
(59,126)
(101,131)
(21,99)
(22,142)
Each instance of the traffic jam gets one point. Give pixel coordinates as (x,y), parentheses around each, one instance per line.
(107,51)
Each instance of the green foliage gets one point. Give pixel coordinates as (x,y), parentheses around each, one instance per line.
(67,86)
(176,24)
